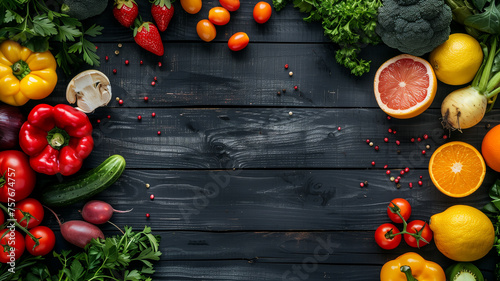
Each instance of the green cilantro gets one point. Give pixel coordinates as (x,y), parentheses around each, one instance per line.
(33,24)
(348,23)
(128,256)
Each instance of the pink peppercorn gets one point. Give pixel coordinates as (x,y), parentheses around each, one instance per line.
(361,184)
(141,62)
(367,140)
(407,170)
(412,139)
(152,196)
(402,172)
(420,183)
(419,139)
(147,215)
(388,172)
(153,114)
(286,66)
(373,163)
(145,98)
(153,83)
(389,130)
(386,166)
(139,117)
(106,58)
(376,147)
(295,87)
(398,142)
(339,128)
(423,152)
(426,136)
(159,64)
(126,62)
(410,185)
(386,139)
(120,102)
(159,133)
(114,71)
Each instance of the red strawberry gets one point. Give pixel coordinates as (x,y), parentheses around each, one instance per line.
(148,37)
(162,11)
(125,11)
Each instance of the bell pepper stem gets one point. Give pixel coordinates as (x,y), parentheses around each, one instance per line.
(57,138)
(2,179)
(407,271)
(20,69)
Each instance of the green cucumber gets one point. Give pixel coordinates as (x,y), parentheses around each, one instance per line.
(85,185)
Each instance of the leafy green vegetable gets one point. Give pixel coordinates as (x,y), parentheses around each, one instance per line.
(492,210)
(129,256)
(33,24)
(348,23)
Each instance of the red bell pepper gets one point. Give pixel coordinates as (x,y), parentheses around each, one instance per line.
(57,139)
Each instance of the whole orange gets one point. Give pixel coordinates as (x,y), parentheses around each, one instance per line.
(490,148)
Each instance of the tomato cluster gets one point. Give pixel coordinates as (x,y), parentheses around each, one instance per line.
(221,16)
(416,233)
(17,180)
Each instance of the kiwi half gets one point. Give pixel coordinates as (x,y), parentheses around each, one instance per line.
(463,271)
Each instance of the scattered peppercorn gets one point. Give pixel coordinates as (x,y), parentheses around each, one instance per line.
(426,136)
(445,137)
(412,139)
(290,73)
(120,45)
(392,179)
(120,102)
(410,185)
(106,58)
(117,52)
(361,184)
(402,172)
(386,139)
(139,117)
(109,116)
(284,90)
(367,140)
(370,143)
(373,163)
(398,142)
(388,117)
(159,133)
(428,147)
(290,113)
(386,166)
(152,196)
(389,130)
(146,98)
(295,88)
(278,93)
(339,128)
(420,183)
(423,152)
(376,147)
(153,114)
(419,139)
(147,215)
(159,64)
(286,66)
(114,71)
(126,62)
(141,62)
(147,185)
(153,83)
(388,172)
(407,170)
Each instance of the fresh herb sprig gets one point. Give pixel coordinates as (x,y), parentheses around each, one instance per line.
(128,256)
(348,23)
(38,27)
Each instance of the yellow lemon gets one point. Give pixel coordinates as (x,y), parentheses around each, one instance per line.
(462,233)
(457,60)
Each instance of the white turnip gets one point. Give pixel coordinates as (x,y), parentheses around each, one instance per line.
(99,212)
(466,107)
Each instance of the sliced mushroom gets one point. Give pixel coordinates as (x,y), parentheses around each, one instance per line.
(90,89)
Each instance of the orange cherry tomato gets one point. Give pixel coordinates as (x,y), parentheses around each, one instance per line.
(206,30)
(191,6)
(230,5)
(262,12)
(238,41)
(219,16)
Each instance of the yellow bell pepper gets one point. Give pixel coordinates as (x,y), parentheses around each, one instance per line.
(24,74)
(411,267)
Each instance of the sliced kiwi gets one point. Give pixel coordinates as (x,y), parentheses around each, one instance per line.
(463,271)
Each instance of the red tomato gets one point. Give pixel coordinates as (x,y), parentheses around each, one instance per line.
(191,6)
(419,227)
(382,239)
(238,41)
(46,240)
(32,209)
(206,30)
(2,217)
(262,12)
(17,178)
(230,5)
(219,16)
(404,210)
(11,245)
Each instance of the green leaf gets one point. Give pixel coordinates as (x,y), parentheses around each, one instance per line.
(480,4)
(38,44)
(67,33)
(42,26)
(94,30)
(77,270)
(494,192)
(488,21)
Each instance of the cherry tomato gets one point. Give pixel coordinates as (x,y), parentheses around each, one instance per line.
(46,240)
(230,5)
(219,16)
(32,209)
(238,41)
(191,6)
(381,236)
(404,210)
(421,227)
(11,245)
(17,178)
(206,30)
(262,12)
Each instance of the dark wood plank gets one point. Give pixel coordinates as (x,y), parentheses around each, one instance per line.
(269,138)
(269,200)
(194,75)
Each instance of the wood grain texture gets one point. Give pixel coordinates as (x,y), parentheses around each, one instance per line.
(270,138)
(269,200)
(210,75)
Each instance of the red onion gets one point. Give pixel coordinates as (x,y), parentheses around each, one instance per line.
(11,120)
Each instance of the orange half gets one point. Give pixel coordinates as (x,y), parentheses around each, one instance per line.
(457,169)
(405,86)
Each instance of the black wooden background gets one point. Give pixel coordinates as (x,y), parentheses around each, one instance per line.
(249,184)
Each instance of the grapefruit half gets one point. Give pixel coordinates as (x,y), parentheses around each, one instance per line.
(405,86)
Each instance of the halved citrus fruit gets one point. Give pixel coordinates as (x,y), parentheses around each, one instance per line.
(405,86)
(457,169)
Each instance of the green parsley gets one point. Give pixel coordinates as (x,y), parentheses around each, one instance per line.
(348,23)
(128,256)
(36,26)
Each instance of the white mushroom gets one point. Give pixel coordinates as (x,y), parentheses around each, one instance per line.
(90,89)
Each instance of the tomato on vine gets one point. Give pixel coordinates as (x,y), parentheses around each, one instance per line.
(29,212)
(420,228)
(11,245)
(401,205)
(46,239)
(386,236)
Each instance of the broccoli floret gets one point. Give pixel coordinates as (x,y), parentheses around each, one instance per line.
(414,27)
(83,9)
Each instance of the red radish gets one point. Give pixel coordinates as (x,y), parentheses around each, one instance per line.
(99,212)
(78,233)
